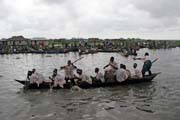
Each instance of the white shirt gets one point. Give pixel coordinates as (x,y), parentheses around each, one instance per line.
(112,69)
(85,78)
(121,75)
(99,76)
(128,72)
(146,58)
(114,64)
(59,77)
(138,73)
(59,80)
(36,77)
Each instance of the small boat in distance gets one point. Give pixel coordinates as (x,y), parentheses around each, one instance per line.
(132,80)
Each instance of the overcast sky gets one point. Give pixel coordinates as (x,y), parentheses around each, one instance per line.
(154,19)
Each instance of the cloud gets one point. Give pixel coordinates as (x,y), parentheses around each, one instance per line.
(160,8)
(165,10)
(54,1)
(90,18)
(4,12)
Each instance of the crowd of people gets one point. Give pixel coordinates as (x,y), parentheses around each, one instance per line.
(112,70)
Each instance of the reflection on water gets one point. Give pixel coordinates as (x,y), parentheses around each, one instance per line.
(156,100)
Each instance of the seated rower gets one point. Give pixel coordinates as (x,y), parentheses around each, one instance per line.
(36,77)
(57,79)
(69,71)
(82,78)
(111,67)
(127,71)
(122,74)
(29,73)
(99,78)
(137,72)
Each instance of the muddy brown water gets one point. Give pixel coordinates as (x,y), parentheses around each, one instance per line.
(158,100)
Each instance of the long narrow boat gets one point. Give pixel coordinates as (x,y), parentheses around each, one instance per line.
(46,85)
(89,52)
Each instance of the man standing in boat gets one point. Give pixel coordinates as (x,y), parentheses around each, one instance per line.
(110,70)
(147,63)
(112,67)
(69,71)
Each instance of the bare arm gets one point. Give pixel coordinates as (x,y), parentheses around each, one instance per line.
(115,67)
(138,58)
(106,66)
(62,67)
(74,66)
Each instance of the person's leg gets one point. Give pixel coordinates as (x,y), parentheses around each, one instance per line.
(66,79)
(60,83)
(144,69)
(37,82)
(149,72)
(55,84)
(72,81)
(98,81)
(149,64)
(143,72)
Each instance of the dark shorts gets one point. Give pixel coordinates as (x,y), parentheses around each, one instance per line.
(147,65)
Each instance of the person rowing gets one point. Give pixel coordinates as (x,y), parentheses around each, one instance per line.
(99,77)
(122,74)
(82,78)
(69,71)
(111,67)
(29,73)
(147,63)
(57,79)
(127,71)
(137,72)
(35,77)
(110,70)
(27,82)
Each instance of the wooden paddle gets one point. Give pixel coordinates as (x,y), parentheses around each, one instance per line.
(74,61)
(155,60)
(141,59)
(77,60)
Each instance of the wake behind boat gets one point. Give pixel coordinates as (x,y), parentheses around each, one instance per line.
(133,80)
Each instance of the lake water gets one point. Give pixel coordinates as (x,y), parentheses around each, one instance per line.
(158,100)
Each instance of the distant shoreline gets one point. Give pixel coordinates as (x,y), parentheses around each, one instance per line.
(19,44)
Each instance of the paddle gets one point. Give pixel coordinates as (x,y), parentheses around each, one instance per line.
(77,60)
(141,59)
(155,60)
(74,61)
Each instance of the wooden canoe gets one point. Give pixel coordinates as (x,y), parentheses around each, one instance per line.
(46,85)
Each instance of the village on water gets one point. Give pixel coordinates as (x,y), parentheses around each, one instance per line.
(20,44)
